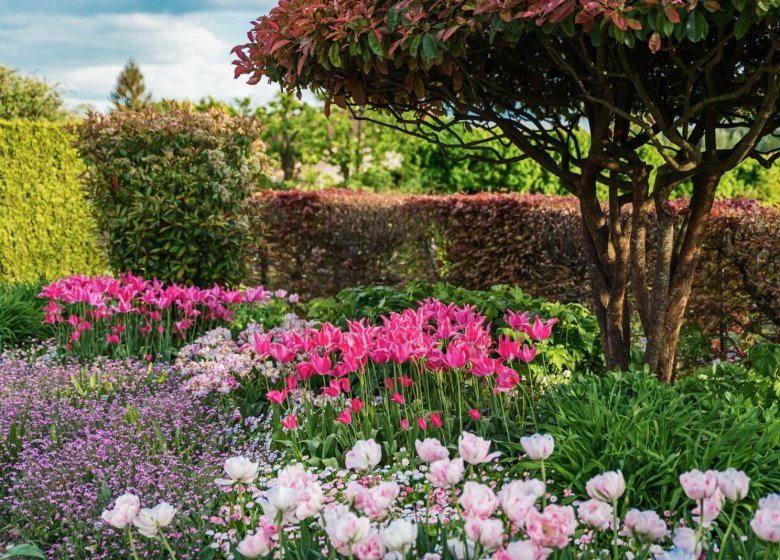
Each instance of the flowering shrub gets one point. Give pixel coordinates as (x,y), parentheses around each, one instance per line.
(130,316)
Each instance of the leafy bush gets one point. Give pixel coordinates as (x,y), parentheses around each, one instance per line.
(46,227)
(652,432)
(28,97)
(169,191)
(21,315)
(575,344)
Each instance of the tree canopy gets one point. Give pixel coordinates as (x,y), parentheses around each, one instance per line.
(28,97)
(641,76)
(130,90)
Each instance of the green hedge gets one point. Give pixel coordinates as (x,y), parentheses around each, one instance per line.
(46,230)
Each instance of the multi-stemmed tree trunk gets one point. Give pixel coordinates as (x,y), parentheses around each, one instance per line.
(641,76)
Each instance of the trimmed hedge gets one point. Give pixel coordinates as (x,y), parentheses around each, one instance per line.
(46,229)
(318,243)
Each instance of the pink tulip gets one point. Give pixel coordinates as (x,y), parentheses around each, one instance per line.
(538,446)
(356,404)
(527,354)
(276,397)
(446,473)
(699,485)
(606,487)
(290,422)
(474,414)
(552,528)
(539,330)
(431,450)
(521,550)
(507,348)
(766,525)
(474,449)
(644,525)
(404,424)
(345,417)
(478,500)
(112,339)
(488,533)
(515,321)
(397,398)
(596,514)
(423,425)
(436,420)
(518,498)
(733,484)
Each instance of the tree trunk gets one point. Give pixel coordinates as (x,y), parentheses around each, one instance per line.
(674,276)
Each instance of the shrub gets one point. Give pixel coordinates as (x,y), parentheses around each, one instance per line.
(653,432)
(46,228)
(169,191)
(321,242)
(21,316)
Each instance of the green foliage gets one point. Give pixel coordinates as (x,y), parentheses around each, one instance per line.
(575,344)
(28,97)
(46,230)
(653,432)
(21,315)
(756,380)
(170,191)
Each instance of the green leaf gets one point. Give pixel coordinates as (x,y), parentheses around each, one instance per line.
(375,45)
(696,27)
(743,24)
(393,17)
(334,56)
(24,550)
(429,46)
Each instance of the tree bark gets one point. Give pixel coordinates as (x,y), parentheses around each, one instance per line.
(675,267)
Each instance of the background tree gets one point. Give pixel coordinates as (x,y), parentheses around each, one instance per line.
(130,91)
(28,97)
(666,75)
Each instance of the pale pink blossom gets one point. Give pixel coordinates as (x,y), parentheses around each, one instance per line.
(766,525)
(474,449)
(685,539)
(595,514)
(488,533)
(255,545)
(644,525)
(478,500)
(239,470)
(364,455)
(712,508)
(552,528)
(606,487)
(538,446)
(150,520)
(522,550)
(123,513)
(699,485)
(431,449)
(445,473)
(770,502)
(518,497)
(371,548)
(733,484)
(399,535)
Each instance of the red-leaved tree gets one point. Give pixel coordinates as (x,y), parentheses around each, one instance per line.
(671,75)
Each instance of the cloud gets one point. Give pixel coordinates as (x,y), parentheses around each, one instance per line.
(184,56)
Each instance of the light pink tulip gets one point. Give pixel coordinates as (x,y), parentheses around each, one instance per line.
(478,500)
(445,473)
(712,508)
(488,533)
(255,545)
(733,484)
(699,485)
(538,446)
(553,528)
(522,550)
(371,548)
(595,514)
(518,497)
(474,449)
(770,502)
(431,450)
(606,487)
(364,455)
(644,525)
(766,525)
(123,513)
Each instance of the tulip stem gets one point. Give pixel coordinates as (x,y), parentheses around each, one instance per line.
(615,530)
(726,535)
(167,546)
(132,542)
(544,480)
